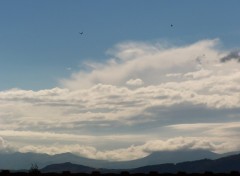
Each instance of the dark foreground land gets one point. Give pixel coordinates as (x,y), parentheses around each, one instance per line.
(125,173)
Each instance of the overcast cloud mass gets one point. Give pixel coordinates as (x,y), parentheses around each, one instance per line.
(147,97)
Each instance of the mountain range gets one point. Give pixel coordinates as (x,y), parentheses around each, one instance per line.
(17,161)
(222,165)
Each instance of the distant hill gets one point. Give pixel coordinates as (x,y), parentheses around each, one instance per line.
(74,168)
(224,165)
(18,161)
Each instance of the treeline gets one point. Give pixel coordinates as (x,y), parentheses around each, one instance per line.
(124,173)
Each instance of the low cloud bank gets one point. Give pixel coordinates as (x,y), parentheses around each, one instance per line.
(132,152)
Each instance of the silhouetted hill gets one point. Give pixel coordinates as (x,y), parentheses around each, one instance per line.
(225,165)
(222,165)
(74,168)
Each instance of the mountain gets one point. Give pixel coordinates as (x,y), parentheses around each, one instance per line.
(222,165)
(17,161)
(74,168)
(165,157)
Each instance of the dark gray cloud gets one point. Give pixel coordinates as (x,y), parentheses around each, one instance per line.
(234,55)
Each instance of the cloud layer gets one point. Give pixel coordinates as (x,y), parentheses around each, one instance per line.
(142,99)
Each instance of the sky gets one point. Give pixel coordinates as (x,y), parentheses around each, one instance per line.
(144,76)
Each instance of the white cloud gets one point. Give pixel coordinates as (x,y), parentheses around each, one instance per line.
(129,153)
(148,62)
(5,146)
(140,89)
(2,143)
(211,129)
(199,74)
(180,143)
(135,82)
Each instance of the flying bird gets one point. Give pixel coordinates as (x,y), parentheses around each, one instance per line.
(81,33)
(171,25)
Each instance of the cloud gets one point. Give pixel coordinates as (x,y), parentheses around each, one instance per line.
(211,129)
(2,143)
(233,55)
(180,143)
(136,95)
(129,153)
(199,74)
(135,82)
(5,146)
(222,132)
(148,62)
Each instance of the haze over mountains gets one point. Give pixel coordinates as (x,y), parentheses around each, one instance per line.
(16,161)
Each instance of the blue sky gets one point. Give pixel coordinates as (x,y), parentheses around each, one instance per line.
(40,40)
(129,86)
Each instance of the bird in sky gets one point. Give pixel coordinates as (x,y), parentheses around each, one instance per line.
(171,25)
(81,33)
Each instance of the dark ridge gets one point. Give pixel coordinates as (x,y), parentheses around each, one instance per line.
(73,168)
(222,165)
